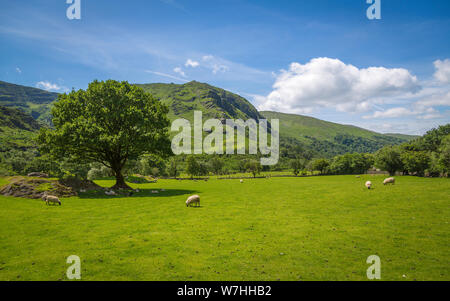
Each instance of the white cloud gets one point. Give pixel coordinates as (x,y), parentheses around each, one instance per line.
(330,83)
(165,75)
(191,63)
(207,57)
(219,68)
(46,85)
(18,70)
(179,71)
(442,73)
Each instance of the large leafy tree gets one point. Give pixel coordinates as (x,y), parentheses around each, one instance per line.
(388,158)
(110,122)
(320,165)
(415,162)
(297,166)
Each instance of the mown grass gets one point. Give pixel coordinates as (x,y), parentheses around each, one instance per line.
(310,228)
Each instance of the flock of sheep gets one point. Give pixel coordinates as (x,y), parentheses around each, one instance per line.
(390,180)
(192,200)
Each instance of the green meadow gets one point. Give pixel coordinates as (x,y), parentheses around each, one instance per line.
(305,228)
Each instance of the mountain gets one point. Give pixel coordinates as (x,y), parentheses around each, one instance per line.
(17,119)
(33,101)
(298,134)
(328,138)
(212,101)
(17,130)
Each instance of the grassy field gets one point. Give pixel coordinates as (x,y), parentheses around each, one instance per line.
(311,228)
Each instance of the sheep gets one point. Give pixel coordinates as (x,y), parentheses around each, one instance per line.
(389,180)
(368,184)
(155,191)
(242,181)
(50,199)
(358,177)
(110,192)
(193,199)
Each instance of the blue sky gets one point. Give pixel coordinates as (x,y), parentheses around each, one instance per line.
(320,58)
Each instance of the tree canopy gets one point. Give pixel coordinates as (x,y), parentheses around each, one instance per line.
(110,122)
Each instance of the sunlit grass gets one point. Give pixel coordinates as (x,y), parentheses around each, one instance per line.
(310,228)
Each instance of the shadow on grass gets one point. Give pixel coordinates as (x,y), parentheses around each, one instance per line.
(147,193)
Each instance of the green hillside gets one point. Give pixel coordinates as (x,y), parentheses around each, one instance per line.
(328,138)
(298,134)
(17,130)
(17,119)
(36,102)
(212,101)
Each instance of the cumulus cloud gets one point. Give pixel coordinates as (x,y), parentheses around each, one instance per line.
(435,100)
(179,71)
(46,85)
(18,70)
(217,65)
(442,73)
(191,63)
(330,83)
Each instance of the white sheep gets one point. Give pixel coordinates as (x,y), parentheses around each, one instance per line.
(193,199)
(50,199)
(390,180)
(155,191)
(242,181)
(368,184)
(110,192)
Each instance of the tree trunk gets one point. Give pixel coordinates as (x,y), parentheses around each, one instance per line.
(120,181)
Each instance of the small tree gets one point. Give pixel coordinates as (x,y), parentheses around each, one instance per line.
(110,123)
(254,167)
(415,162)
(444,158)
(388,159)
(172,168)
(320,165)
(297,165)
(216,165)
(192,166)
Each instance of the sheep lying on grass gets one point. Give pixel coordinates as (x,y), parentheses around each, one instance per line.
(368,184)
(50,199)
(390,180)
(193,199)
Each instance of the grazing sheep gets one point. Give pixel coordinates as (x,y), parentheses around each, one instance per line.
(368,184)
(155,191)
(110,192)
(358,176)
(242,181)
(50,199)
(193,199)
(390,180)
